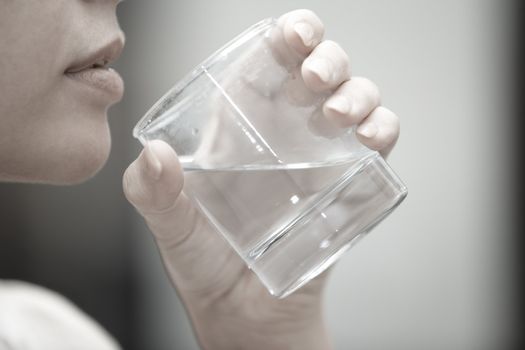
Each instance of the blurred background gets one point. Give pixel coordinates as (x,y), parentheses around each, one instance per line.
(439,273)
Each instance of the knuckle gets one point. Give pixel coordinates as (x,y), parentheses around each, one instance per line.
(373,144)
(307,12)
(127,184)
(389,135)
(392,119)
(391,123)
(367,85)
(333,48)
(396,123)
(310,16)
(134,192)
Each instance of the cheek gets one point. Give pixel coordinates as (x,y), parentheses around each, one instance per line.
(34,39)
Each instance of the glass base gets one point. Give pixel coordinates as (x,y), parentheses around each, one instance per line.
(370,191)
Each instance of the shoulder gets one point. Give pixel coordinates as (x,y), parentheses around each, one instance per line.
(34,317)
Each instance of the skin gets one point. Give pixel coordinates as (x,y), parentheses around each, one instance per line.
(55,131)
(229,307)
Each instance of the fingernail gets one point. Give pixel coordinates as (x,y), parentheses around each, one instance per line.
(153,165)
(339,104)
(367,130)
(322,68)
(305,32)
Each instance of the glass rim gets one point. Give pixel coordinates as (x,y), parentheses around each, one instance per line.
(164,102)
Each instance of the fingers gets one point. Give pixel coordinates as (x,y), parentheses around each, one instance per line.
(302,30)
(149,173)
(153,184)
(298,37)
(326,67)
(356,102)
(379,130)
(352,102)
(198,260)
(296,34)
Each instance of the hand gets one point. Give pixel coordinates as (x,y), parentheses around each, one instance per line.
(227,304)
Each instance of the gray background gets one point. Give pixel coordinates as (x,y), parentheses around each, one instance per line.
(435,275)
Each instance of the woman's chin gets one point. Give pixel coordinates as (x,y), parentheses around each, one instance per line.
(66,151)
(81,174)
(76,166)
(83,168)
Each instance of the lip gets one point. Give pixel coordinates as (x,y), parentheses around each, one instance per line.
(91,69)
(106,80)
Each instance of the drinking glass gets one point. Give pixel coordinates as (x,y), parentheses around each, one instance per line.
(286,188)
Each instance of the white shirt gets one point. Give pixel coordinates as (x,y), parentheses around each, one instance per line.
(33,317)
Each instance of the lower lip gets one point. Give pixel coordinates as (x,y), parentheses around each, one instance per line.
(105,80)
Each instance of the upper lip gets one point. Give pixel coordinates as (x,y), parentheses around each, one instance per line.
(99,57)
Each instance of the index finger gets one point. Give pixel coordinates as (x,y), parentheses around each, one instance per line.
(295,36)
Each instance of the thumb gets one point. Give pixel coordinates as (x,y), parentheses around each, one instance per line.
(197,259)
(153,185)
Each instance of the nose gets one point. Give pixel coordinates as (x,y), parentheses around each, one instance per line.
(105,27)
(120,40)
(114,48)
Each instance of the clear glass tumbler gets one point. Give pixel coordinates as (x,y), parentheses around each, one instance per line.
(289,191)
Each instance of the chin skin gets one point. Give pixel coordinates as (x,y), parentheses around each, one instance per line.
(84,167)
(80,161)
(76,155)
(83,164)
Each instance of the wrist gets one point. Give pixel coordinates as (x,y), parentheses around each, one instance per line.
(253,329)
(236,336)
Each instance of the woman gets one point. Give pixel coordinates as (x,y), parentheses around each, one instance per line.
(55,89)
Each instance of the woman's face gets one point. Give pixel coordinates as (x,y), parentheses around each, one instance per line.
(55,89)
